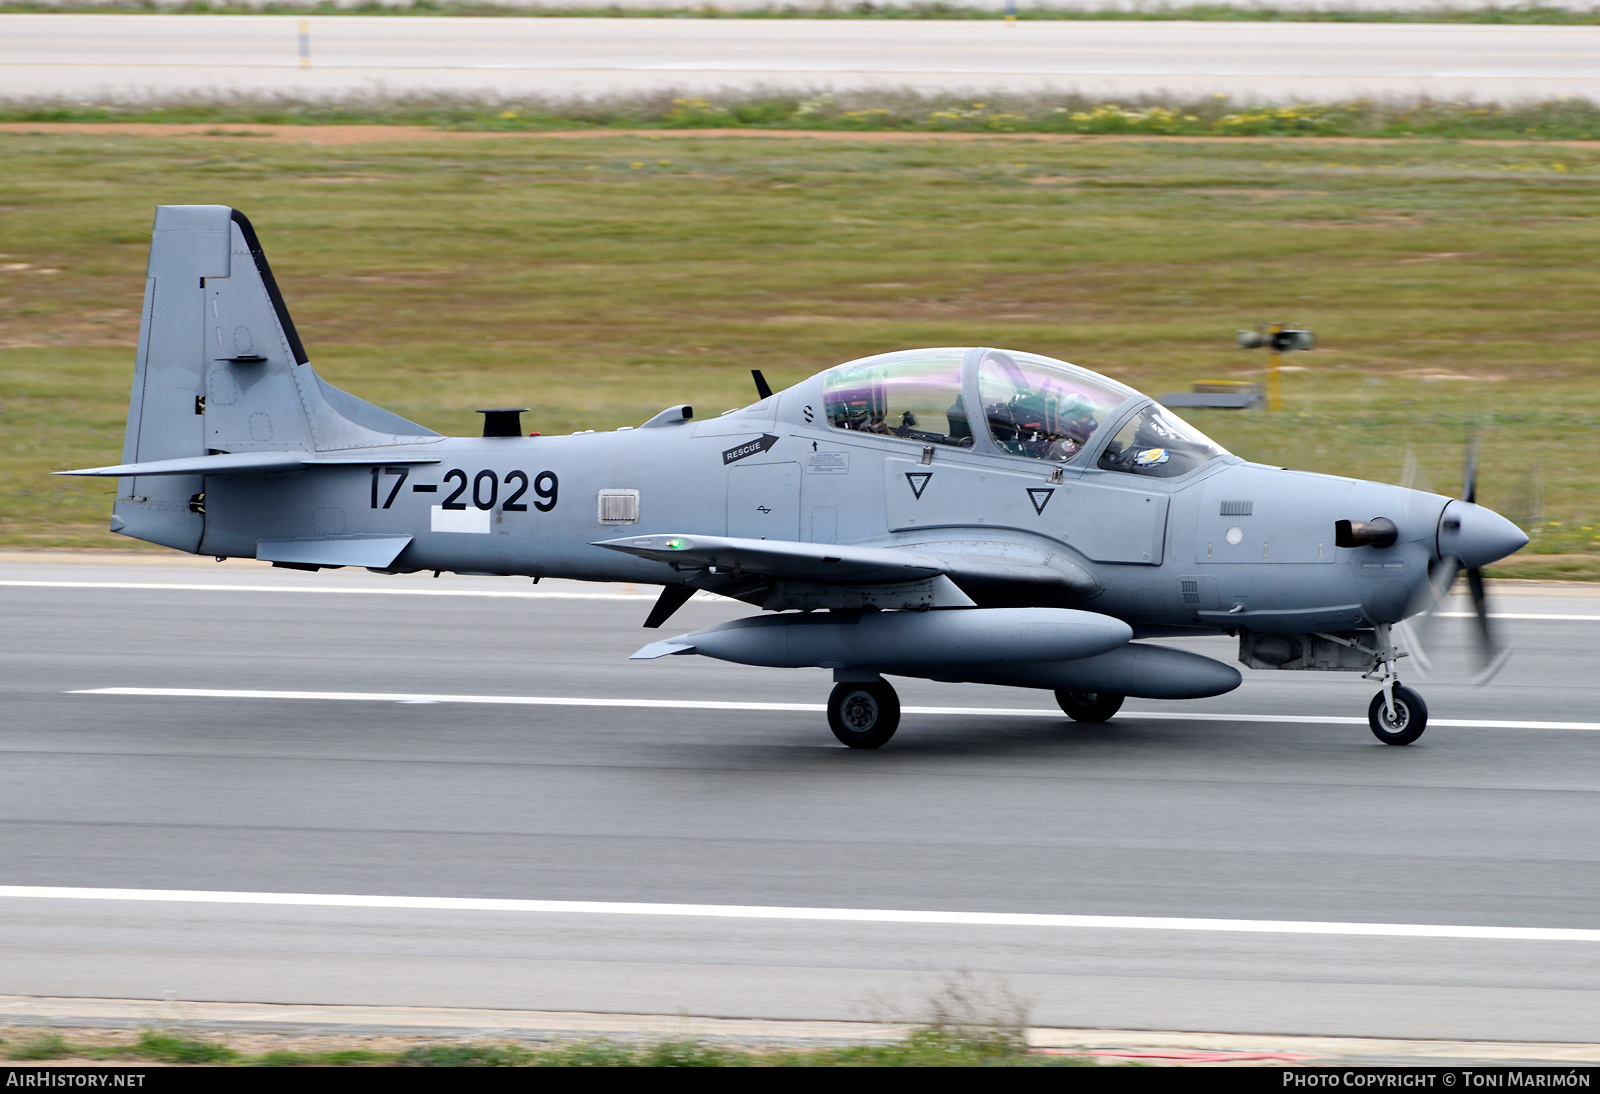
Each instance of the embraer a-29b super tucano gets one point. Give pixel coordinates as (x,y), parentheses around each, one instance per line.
(955,514)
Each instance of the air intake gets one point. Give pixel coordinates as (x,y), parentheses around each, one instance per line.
(1237,508)
(619,506)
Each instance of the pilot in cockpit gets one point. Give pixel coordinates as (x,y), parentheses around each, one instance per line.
(1043,425)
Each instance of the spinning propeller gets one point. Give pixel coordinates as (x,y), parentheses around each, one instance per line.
(1431,600)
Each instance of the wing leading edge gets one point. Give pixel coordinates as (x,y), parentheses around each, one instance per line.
(824,562)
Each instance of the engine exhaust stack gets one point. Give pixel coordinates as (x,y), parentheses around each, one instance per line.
(1378,532)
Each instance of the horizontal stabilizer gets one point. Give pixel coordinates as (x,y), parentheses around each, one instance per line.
(825,562)
(246,463)
(377,552)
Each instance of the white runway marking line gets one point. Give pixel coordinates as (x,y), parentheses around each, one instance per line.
(815,915)
(799,708)
(508,594)
(1542,617)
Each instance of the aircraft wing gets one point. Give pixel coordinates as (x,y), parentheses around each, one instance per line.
(965,562)
(829,563)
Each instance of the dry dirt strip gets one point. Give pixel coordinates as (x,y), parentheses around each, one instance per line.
(379,134)
(336,1026)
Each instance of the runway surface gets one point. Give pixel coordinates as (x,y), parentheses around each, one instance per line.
(1259,869)
(132,56)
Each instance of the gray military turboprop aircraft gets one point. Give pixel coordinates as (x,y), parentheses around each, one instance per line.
(954,514)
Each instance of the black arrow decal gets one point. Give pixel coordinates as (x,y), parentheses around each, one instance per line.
(918,481)
(749,448)
(1040,496)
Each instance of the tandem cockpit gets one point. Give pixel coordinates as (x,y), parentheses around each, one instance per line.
(1028,405)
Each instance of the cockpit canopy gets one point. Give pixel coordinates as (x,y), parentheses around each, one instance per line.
(1032,406)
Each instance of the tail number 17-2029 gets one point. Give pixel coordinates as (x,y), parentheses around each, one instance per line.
(484,486)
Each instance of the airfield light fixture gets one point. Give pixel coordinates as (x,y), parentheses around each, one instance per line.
(1278,339)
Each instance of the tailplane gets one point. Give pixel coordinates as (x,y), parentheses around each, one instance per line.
(221,368)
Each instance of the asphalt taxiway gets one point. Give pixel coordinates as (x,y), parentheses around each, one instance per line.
(134,56)
(459,793)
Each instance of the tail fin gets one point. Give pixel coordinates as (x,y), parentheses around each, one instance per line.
(221,368)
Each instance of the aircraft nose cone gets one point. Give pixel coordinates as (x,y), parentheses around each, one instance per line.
(1477,536)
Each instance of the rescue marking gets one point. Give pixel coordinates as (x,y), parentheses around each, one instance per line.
(738,452)
(798,708)
(815,915)
(918,481)
(1040,496)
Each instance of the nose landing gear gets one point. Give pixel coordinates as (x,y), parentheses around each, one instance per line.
(1396,714)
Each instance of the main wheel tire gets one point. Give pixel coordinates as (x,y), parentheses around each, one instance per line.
(1089,706)
(1410,717)
(864,715)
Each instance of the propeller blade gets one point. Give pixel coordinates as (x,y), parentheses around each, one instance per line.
(1469,473)
(1493,654)
(1480,603)
(1408,471)
(1412,476)
(1425,606)
(1527,504)
(1413,645)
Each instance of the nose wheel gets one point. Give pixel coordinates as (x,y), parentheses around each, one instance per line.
(864,715)
(1398,722)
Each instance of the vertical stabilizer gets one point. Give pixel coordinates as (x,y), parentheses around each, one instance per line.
(166,419)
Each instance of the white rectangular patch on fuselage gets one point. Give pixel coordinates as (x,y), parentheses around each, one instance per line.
(460,520)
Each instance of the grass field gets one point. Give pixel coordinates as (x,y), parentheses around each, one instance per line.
(880,110)
(601,278)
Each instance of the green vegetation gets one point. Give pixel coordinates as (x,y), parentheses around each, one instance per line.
(1570,118)
(171,1048)
(166,1047)
(45,1046)
(861,9)
(602,278)
(926,1047)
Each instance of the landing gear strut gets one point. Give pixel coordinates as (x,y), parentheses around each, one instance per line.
(864,715)
(1396,714)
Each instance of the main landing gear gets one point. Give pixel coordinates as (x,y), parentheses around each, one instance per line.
(864,715)
(1396,714)
(1089,706)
